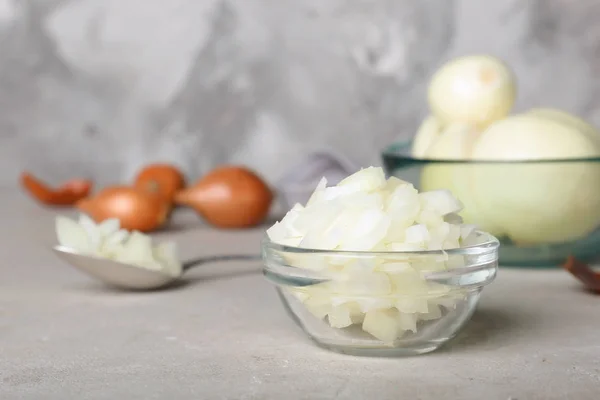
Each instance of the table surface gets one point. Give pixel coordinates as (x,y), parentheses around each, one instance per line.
(223,333)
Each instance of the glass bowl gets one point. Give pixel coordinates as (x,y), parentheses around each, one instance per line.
(381,303)
(460,177)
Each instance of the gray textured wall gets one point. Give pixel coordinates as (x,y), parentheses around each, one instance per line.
(99,87)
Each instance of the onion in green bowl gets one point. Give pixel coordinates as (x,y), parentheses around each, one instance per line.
(503,182)
(531,178)
(541,202)
(522,203)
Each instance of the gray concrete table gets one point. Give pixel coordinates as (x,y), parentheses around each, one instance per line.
(224,334)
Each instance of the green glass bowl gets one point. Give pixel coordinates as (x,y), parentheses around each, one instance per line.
(398,162)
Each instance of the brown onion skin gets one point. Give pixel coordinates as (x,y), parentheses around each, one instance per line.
(583,272)
(67,194)
(135,209)
(229,197)
(165,179)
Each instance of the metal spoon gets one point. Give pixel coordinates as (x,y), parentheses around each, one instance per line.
(127,276)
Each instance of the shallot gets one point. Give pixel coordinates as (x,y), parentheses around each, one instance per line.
(229,197)
(135,209)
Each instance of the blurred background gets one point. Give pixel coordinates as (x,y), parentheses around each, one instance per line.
(98,88)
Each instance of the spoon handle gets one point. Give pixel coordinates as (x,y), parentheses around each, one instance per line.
(225,257)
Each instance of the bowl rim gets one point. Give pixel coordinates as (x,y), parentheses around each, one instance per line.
(393,151)
(489,245)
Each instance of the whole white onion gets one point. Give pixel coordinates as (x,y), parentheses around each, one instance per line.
(567,119)
(455,143)
(540,202)
(530,137)
(427,134)
(537,201)
(475,89)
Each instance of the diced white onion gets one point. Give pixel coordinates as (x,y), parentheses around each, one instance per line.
(417,234)
(440,201)
(107,240)
(366,212)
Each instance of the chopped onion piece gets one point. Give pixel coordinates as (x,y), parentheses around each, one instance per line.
(417,234)
(316,196)
(367,283)
(71,234)
(319,306)
(412,305)
(396,267)
(109,226)
(383,324)
(166,254)
(408,321)
(138,251)
(406,247)
(440,201)
(339,317)
(93,233)
(433,312)
(365,180)
(403,204)
(430,218)
(292,242)
(466,231)
(367,304)
(453,218)
(300,295)
(361,265)
(116,238)
(356,313)
(393,183)
(277,232)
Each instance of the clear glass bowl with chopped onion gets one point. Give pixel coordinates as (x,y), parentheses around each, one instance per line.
(390,303)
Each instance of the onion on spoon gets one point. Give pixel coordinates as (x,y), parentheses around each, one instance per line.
(109,240)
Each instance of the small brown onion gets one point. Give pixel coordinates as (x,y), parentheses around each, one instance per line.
(135,209)
(229,197)
(164,179)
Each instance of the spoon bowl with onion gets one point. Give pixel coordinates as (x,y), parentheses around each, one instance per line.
(132,277)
